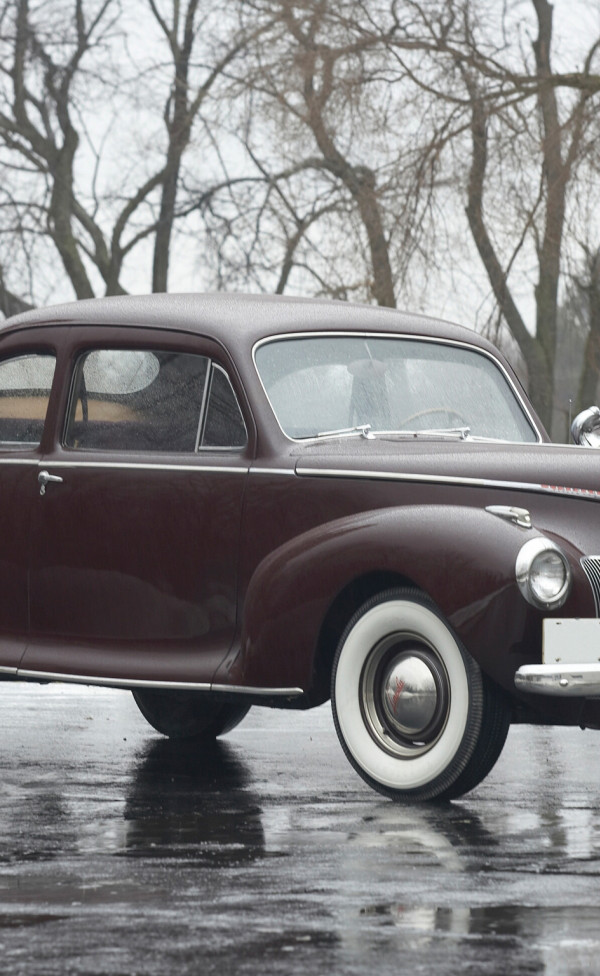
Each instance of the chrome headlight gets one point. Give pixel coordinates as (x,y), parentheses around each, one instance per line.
(543,574)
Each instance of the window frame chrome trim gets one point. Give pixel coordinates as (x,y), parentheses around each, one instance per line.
(203,403)
(216,367)
(457,343)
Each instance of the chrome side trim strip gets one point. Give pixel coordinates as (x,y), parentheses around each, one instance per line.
(146,466)
(32,461)
(262,692)
(8,670)
(440,479)
(278,471)
(570,681)
(436,479)
(150,466)
(86,679)
(142,683)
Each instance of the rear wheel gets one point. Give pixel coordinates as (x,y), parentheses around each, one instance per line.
(187,714)
(415,715)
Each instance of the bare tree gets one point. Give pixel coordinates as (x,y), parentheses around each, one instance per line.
(311,81)
(181,111)
(526,144)
(588,387)
(355,148)
(54,70)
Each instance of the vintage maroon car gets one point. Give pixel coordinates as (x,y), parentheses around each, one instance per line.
(218,501)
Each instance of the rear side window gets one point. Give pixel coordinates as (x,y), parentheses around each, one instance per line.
(146,400)
(25,383)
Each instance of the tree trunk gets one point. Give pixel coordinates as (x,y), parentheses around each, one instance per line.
(587,395)
(61,217)
(358,180)
(555,176)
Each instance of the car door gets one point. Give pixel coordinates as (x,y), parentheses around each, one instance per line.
(135,544)
(27,366)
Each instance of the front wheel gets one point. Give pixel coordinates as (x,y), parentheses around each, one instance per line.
(187,714)
(415,715)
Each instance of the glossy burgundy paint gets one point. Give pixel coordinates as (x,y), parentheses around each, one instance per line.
(446,545)
(17,495)
(243,567)
(148,564)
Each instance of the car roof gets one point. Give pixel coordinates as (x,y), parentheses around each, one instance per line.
(242,320)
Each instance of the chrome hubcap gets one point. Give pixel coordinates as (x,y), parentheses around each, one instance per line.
(404,695)
(409,694)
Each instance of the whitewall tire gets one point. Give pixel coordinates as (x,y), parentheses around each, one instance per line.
(409,703)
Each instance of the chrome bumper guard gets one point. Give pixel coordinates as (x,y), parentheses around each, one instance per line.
(567,681)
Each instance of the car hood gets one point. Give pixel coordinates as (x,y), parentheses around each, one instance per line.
(544,468)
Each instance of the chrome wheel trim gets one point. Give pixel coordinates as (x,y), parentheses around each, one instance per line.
(394,769)
(405,696)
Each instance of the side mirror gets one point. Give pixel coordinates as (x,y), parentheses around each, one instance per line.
(585,429)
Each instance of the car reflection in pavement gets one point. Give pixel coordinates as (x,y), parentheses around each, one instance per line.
(191,802)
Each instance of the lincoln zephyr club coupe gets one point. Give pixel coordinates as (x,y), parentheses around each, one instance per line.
(218,501)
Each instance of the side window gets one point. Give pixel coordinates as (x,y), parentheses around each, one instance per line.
(137,400)
(152,400)
(224,425)
(25,383)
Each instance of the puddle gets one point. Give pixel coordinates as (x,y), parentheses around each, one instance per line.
(17,921)
(491,921)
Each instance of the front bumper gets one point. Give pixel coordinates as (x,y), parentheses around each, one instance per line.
(569,681)
(571,660)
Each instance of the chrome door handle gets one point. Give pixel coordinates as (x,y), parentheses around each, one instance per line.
(44,478)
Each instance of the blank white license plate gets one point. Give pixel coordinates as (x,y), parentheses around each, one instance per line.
(571,640)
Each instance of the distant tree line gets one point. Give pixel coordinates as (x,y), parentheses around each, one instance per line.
(360,149)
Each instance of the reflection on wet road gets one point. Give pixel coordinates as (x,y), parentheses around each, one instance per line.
(122,853)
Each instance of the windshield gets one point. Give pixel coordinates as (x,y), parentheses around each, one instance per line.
(337,385)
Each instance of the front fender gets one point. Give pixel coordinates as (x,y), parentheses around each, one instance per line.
(463,558)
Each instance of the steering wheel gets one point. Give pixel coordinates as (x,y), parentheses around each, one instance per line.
(452,415)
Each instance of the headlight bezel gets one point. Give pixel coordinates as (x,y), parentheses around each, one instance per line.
(531,551)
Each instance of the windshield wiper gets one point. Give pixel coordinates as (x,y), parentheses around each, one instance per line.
(462,433)
(363,429)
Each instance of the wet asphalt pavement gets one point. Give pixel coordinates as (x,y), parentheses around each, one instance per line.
(121,853)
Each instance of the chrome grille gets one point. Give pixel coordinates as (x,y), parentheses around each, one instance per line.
(591,568)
